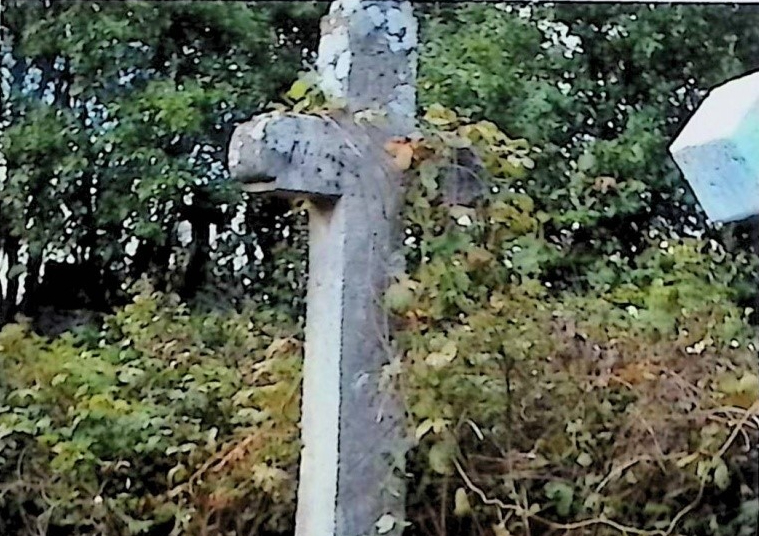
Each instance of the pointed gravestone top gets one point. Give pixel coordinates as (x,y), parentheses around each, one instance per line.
(718,150)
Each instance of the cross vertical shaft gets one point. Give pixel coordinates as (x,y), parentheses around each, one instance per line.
(368,58)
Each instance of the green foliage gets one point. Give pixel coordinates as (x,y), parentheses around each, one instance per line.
(161,420)
(575,358)
(117,118)
(602,90)
(614,404)
(620,403)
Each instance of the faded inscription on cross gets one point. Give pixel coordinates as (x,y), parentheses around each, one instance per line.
(353,432)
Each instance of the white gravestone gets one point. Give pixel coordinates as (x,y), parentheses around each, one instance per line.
(353,430)
(718,150)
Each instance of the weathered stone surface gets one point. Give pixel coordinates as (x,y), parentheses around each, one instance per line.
(353,431)
(351,428)
(300,151)
(297,154)
(368,57)
(718,150)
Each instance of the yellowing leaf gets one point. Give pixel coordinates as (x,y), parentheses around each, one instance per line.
(440,116)
(484,130)
(428,425)
(442,357)
(298,90)
(501,212)
(510,168)
(500,530)
(498,301)
(687,460)
(58,379)
(438,360)
(461,506)
(741,392)
(749,383)
(455,141)
(523,202)
(423,428)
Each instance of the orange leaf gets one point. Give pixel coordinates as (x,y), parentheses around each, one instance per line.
(402,152)
(636,373)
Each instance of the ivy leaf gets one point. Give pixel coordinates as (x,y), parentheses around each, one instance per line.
(298,90)
(461,504)
(721,474)
(440,457)
(562,495)
(385,524)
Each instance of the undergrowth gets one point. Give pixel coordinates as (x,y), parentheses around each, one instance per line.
(622,402)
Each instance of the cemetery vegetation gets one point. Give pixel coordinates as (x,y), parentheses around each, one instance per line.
(577,347)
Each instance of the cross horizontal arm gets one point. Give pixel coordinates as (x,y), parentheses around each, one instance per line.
(290,155)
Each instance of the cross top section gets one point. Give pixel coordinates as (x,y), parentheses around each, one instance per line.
(367,57)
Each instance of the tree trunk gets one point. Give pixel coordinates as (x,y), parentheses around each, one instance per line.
(8,307)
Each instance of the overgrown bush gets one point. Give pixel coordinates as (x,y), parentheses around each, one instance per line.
(161,422)
(625,405)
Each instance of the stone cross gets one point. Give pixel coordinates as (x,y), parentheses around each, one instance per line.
(353,431)
(718,150)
